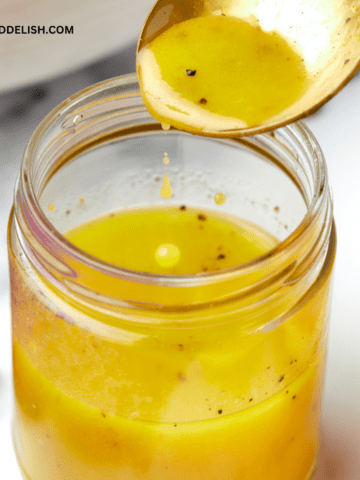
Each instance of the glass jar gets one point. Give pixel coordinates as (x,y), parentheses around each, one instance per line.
(121,374)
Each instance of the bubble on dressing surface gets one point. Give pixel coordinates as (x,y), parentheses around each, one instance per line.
(220,198)
(167,255)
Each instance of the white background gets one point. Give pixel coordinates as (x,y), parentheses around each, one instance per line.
(337,127)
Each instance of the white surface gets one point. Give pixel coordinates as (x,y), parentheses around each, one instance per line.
(100,27)
(337,128)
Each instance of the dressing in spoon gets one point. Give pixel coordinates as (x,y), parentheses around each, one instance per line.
(236,68)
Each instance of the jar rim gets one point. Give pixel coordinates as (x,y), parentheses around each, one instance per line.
(25,183)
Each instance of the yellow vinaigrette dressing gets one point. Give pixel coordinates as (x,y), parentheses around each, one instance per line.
(166,190)
(219,73)
(178,404)
(205,241)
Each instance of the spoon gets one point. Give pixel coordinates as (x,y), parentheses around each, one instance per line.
(325,33)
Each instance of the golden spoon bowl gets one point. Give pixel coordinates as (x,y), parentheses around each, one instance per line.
(325,33)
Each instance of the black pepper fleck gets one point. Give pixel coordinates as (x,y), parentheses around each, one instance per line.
(251,399)
(281,378)
(175,425)
(201,217)
(203,101)
(220,412)
(348,19)
(190,73)
(221,256)
(67,212)
(103,414)
(183,208)
(346,61)
(294,397)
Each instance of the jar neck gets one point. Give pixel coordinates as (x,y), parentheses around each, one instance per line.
(275,280)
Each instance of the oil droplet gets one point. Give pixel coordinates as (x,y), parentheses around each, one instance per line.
(51,207)
(167,255)
(166,190)
(220,198)
(77,119)
(166,160)
(81,200)
(165,126)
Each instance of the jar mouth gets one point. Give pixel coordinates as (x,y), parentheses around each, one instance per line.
(29,212)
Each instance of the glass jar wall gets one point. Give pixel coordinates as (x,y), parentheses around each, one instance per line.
(138,373)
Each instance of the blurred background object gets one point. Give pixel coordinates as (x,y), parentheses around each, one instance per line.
(100,27)
(336,127)
(45,95)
